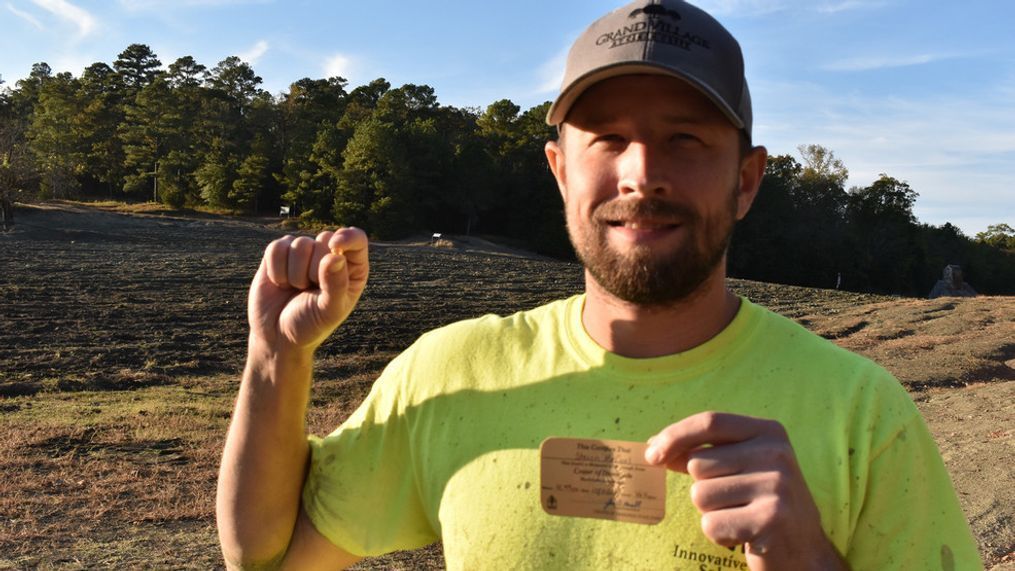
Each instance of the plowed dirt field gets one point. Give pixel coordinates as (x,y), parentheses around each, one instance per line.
(122,337)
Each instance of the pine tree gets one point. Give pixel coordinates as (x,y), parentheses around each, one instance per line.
(54,140)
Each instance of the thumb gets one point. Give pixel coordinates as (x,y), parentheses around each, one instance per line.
(333,275)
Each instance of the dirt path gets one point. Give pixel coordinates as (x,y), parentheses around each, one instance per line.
(121,337)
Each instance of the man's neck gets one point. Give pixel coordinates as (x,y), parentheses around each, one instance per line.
(637,331)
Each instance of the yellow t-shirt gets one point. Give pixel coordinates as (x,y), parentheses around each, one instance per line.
(446,446)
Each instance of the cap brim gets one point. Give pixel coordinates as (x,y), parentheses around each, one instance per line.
(559,109)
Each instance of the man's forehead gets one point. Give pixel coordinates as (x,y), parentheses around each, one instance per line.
(614,115)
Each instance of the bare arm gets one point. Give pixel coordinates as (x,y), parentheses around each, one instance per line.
(302,291)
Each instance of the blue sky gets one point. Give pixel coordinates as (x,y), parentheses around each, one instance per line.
(921,90)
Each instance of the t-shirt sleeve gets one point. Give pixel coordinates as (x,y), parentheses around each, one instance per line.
(911,518)
(361,490)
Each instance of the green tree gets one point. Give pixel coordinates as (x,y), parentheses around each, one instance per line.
(321,174)
(395,165)
(821,163)
(885,200)
(251,178)
(1000,236)
(373,170)
(821,250)
(168,129)
(177,187)
(100,100)
(185,72)
(17,167)
(20,168)
(466,191)
(308,107)
(24,99)
(234,80)
(764,245)
(138,67)
(527,204)
(54,140)
(215,175)
(497,130)
(361,102)
(538,187)
(261,122)
(885,236)
(149,134)
(397,161)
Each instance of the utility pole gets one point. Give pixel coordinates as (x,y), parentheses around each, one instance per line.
(155,181)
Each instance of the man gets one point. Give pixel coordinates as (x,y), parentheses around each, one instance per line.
(783,451)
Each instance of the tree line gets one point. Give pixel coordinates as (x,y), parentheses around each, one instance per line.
(396,162)
(806,228)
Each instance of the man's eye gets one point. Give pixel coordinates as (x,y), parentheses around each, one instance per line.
(684,138)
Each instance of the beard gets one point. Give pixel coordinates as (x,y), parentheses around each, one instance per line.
(646,277)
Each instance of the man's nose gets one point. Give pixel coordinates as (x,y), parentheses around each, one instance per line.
(642,170)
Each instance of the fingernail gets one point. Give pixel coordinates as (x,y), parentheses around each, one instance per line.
(337,266)
(653,455)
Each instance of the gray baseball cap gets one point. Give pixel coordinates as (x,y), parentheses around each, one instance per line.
(665,37)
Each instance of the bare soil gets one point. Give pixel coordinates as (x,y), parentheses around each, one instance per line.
(122,336)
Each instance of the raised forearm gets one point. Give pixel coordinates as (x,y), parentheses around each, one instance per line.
(303,290)
(265,458)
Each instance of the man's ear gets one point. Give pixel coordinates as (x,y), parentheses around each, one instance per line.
(752,169)
(555,158)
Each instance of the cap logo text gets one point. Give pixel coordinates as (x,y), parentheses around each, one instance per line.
(661,26)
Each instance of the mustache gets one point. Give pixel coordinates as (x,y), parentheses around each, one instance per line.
(646,208)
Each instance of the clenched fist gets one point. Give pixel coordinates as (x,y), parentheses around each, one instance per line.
(305,288)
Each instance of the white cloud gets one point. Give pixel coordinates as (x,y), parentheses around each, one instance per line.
(63,9)
(254,53)
(956,151)
(338,65)
(867,63)
(136,5)
(25,16)
(752,8)
(848,5)
(742,7)
(551,72)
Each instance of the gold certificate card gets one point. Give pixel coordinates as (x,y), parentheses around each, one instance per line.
(605,479)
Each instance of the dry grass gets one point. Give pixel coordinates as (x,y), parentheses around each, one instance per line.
(148,208)
(89,471)
(126,479)
(948,342)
